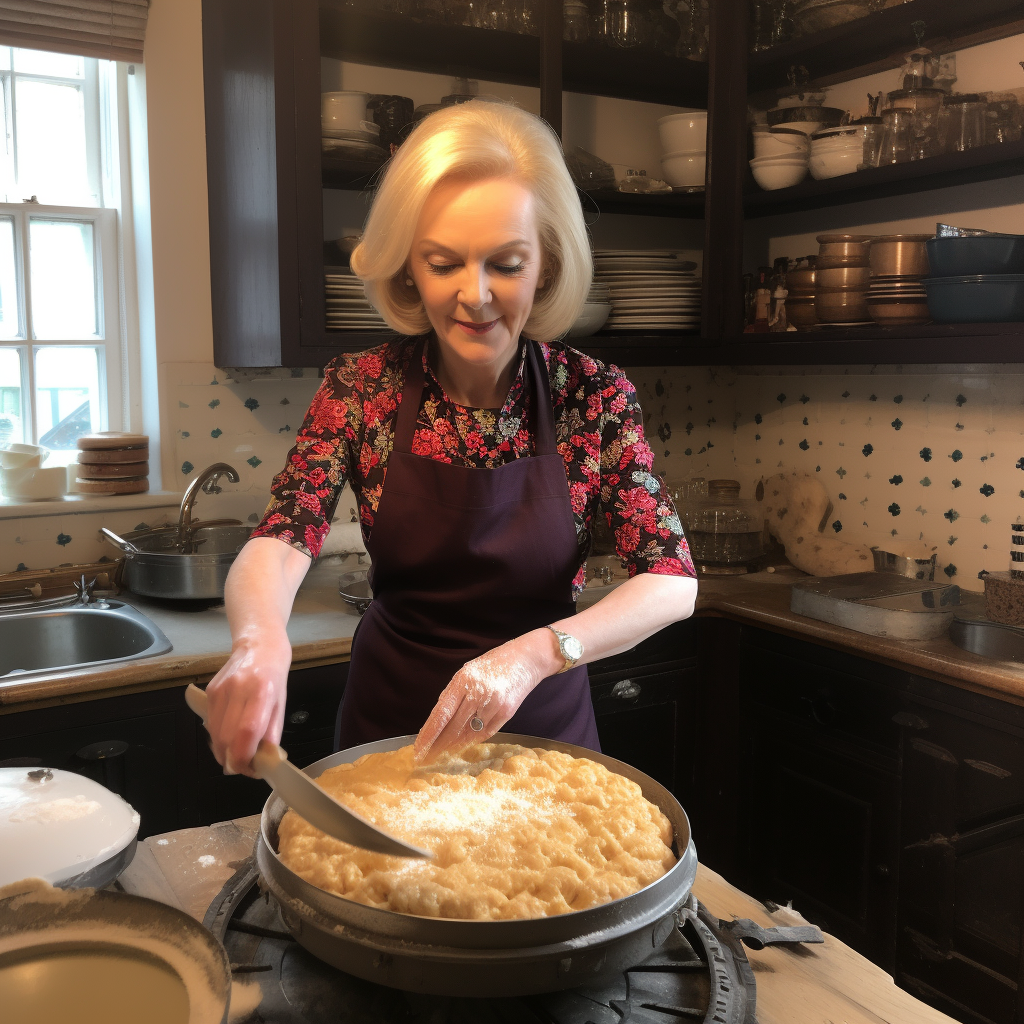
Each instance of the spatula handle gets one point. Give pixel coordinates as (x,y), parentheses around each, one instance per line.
(268,755)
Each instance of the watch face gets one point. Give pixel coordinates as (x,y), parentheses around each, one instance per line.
(572,648)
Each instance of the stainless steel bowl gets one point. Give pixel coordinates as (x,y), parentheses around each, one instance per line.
(481,958)
(913,568)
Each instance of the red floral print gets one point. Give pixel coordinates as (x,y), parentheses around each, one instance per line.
(348,434)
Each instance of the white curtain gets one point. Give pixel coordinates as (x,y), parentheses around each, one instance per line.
(108,29)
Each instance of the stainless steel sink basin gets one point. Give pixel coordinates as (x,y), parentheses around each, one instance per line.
(989,639)
(66,638)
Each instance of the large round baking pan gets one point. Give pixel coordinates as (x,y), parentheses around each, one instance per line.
(481,958)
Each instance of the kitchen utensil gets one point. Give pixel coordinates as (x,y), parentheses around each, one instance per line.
(841,278)
(726,532)
(127,958)
(306,798)
(879,603)
(845,247)
(125,545)
(163,569)
(836,151)
(111,439)
(477,958)
(897,137)
(22,456)
(775,172)
(899,256)
(976,298)
(841,307)
(981,254)
(962,122)
(779,141)
(684,133)
(897,311)
(684,170)
(343,109)
(592,318)
(988,639)
(901,565)
(354,588)
(62,827)
(805,119)
(800,312)
(34,483)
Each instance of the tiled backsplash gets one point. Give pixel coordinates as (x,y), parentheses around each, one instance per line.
(933,456)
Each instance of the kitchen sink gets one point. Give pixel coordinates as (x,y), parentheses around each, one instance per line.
(989,639)
(102,633)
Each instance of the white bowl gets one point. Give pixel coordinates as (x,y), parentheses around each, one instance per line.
(684,170)
(807,127)
(772,172)
(34,483)
(591,320)
(772,143)
(684,133)
(831,163)
(343,109)
(22,456)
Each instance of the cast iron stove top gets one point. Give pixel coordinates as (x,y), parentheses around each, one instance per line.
(700,973)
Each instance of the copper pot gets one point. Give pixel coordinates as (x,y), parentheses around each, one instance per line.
(899,255)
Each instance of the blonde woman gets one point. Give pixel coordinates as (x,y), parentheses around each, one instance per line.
(480,449)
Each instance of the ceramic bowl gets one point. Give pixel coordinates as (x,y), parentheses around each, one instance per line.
(841,307)
(591,320)
(684,133)
(779,142)
(899,256)
(976,298)
(980,254)
(832,162)
(22,456)
(684,170)
(843,250)
(898,311)
(842,278)
(800,311)
(773,172)
(344,109)
(34,483)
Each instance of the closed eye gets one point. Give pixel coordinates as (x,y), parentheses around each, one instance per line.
(508,269)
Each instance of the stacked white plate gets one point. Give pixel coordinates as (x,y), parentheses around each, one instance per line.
(347,308)
(649,289)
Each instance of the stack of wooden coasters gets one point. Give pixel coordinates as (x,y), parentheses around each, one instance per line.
(113,462)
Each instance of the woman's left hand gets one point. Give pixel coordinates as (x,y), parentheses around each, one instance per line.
(489,688)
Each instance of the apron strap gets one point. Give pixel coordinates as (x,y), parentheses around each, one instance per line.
(539,391)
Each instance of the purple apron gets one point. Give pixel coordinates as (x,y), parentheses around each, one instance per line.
(463,560)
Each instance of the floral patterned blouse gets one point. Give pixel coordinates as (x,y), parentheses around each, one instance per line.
(348,434)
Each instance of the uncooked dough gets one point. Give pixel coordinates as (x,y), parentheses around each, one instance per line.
(538,832)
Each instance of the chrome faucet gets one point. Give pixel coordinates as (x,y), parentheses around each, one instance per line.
(207,482)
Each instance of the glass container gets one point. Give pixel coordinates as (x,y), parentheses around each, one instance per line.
(897,138)
(575,21)
(962,122)
(725,531)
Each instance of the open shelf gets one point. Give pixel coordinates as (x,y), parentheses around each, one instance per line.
(887,33)
(981,164)
(590,67)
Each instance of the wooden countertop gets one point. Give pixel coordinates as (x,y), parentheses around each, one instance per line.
(795,985)
(322,625)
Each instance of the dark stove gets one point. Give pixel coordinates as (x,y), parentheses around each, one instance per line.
(700,973)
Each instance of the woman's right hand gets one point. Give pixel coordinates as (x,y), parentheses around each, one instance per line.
(246,700)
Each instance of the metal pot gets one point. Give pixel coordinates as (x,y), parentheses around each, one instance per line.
(480,958)
(166,565)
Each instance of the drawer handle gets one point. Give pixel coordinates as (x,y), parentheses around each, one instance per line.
(626,689)
(823,711)
(298,718)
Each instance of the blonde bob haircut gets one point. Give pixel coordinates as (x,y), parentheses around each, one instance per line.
(475,140)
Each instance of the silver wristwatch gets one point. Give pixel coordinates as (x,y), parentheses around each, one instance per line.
(571,648)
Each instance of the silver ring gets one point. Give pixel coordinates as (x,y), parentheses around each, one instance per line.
(476,723)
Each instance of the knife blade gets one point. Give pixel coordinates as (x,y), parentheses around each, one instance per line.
(309,800)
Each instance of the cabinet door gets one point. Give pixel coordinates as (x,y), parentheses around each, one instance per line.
(821,830)
(641,719)
(314,695)
(961,867)
(132,746)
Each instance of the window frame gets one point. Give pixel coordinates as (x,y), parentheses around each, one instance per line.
(109,341)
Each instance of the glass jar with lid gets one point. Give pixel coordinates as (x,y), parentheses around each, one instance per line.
(725,531)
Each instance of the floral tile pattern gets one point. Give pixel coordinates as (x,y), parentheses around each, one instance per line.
(935,457)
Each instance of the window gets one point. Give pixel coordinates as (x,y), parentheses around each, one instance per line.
(61,343)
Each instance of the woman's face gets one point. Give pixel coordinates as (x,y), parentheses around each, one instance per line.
(476,261)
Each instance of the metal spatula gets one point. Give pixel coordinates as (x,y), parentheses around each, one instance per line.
(307,799)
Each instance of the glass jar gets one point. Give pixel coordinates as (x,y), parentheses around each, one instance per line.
(575,21)
(962,122)
(725,531)
(897,139)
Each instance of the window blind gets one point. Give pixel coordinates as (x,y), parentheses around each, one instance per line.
(108,29)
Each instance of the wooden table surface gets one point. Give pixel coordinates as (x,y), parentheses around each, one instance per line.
(819,984)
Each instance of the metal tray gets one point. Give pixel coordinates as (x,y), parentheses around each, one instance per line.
(481,958)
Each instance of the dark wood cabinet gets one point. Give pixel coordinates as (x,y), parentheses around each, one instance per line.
(820,811)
